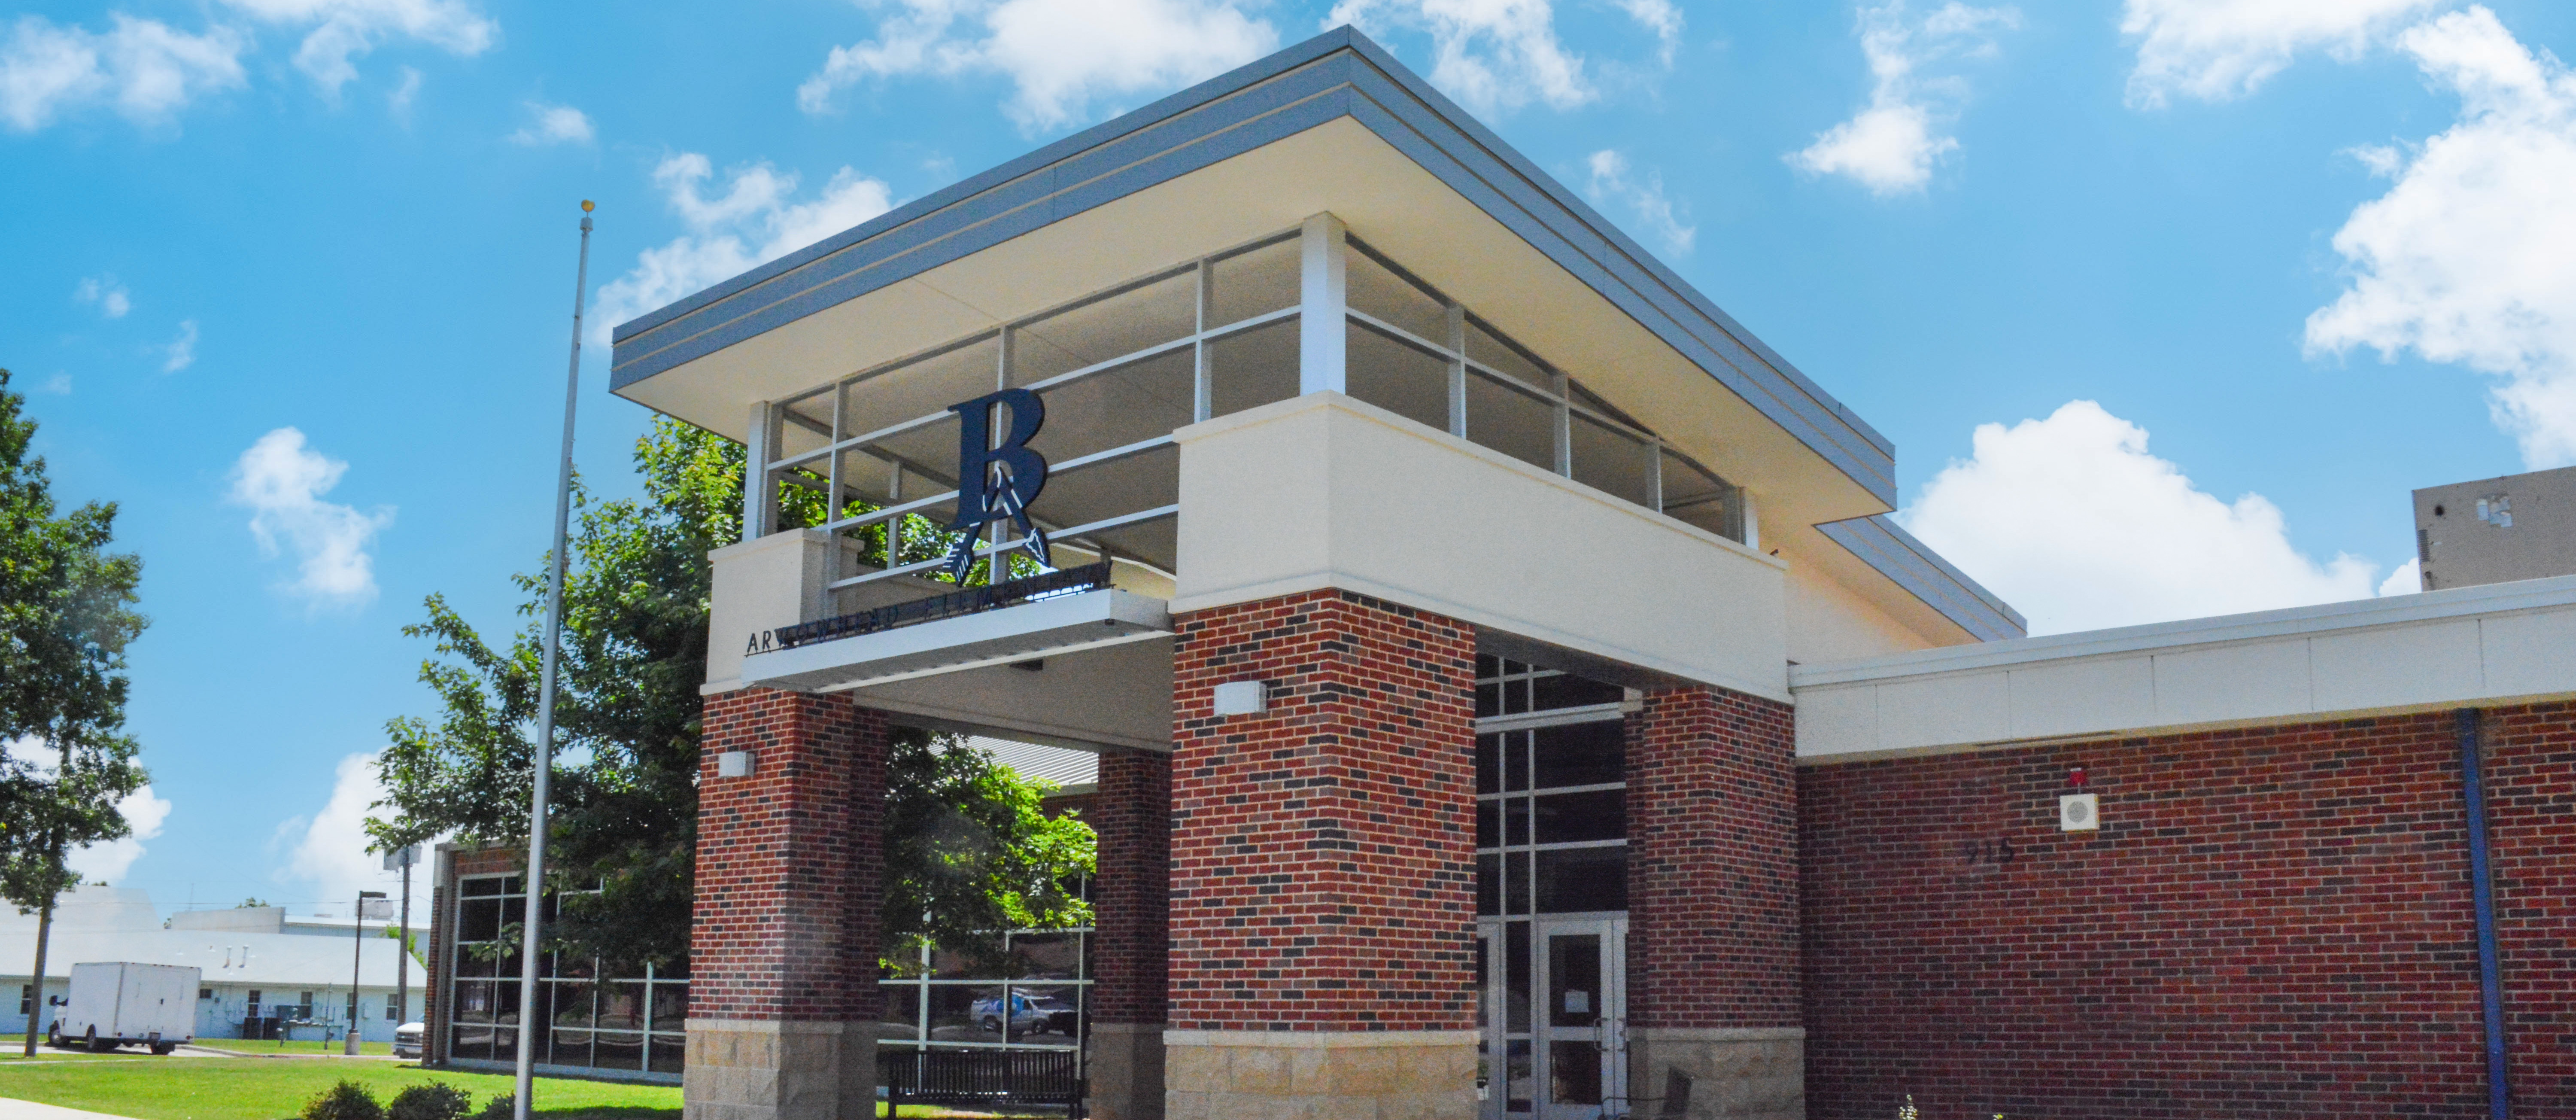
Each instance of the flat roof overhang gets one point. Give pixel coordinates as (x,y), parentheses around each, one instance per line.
(1330,125)
(1334,125)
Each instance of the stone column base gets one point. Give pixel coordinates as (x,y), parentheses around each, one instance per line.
(754,1069)
(1739,1073)
(1126,1071)
(1319,1075)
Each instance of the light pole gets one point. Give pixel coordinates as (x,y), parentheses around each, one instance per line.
(403,857)
(557,566)
(357,953)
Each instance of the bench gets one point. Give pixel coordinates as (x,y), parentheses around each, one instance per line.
(980,1078)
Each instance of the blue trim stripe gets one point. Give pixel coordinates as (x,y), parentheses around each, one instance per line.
(1883,544)
(1339,73)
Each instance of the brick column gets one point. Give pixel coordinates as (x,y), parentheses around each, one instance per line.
(783,951)
(1323,864)
(1713,962)
(1132,813)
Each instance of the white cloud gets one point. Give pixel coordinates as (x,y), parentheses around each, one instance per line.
(283,481)
(2470,257)
(1495,55)
(146,69)
(2408,579)
(330,848)
(107,863)
(2215,50)
(60,384)
(399,101)
(182,351)
(1612,179)
(111,297)
(1891,145)
(753,221)
(1061,55)
(2072,521)
(553,124)
(144,814)
(346,29)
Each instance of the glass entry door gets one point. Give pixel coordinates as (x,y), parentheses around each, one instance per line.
(1554,1016)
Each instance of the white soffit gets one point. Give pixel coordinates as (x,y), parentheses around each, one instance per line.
(1387,200)
(1028,631)
(2510,642)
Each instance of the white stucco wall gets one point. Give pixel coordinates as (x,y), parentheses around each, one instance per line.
(1325,491)
(2505,643)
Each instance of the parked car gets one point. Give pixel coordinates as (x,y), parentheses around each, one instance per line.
(407,1040)
(1030,1014)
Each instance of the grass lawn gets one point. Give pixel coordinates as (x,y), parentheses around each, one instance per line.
(12,1045)
(299,1046)
(150,1088)
(267,1088)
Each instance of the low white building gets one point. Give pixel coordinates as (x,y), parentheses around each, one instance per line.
(248,974)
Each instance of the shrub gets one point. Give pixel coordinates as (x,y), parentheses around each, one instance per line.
(436,1100)
(501,1107)
(346,1100)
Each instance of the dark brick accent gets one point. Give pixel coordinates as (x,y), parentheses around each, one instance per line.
(790,860)
(1323,853)
(1132,813)
(1712,862)
(2272,921)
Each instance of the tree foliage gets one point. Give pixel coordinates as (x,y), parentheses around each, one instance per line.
(624,797)
(66,619)
(970,852)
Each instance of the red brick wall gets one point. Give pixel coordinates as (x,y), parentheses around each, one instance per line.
(1323,853)
(2531,829)
(1132,814)
(1712,862)
(2273,921)
(790,860)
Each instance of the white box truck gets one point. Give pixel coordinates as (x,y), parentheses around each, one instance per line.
(125,1004)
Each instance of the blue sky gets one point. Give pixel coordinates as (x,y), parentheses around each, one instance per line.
(2166,303)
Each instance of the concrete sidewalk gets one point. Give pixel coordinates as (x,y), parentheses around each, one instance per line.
(14,1109)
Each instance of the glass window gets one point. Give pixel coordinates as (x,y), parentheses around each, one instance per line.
(1510,421)
(1565,818)
(923,387)
(1397,377)
(1488,349)
(1104,328)
(1374,289)
(1613,461)
(1582,754)
(1114,408)
(667,1053)
(1565,690)
(1256,281)
(1253,368)
(1576,880)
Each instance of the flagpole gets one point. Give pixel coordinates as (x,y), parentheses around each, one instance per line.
(543,754)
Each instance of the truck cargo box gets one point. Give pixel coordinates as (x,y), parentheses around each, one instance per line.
(121,1003)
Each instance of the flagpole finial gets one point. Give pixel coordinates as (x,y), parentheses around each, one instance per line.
(587,206)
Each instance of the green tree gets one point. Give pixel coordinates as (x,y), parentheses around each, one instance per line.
(624,796)
(66,618)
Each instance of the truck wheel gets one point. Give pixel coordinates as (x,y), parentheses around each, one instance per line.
(164,1047)
(54,1036)
(99,1045)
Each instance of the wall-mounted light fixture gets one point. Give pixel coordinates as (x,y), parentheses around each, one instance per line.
(1242,698)
(733,764)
